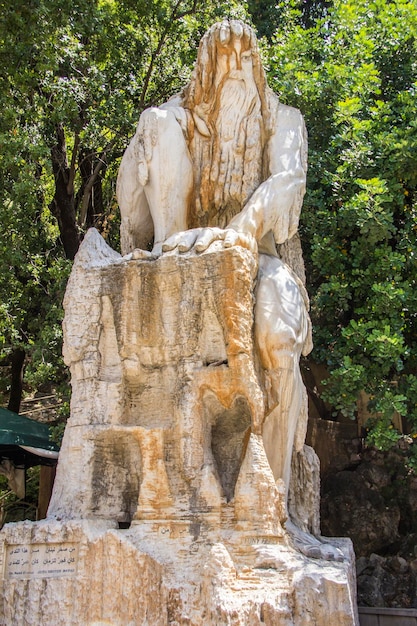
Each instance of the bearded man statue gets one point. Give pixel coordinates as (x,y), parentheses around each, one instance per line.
(225,160)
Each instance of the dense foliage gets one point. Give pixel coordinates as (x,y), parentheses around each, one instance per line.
(353,73)
(74,78)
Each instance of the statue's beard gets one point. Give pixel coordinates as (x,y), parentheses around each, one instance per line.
(229,163)
(237,100)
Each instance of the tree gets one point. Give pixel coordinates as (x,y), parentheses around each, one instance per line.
(74,78)
(353,74)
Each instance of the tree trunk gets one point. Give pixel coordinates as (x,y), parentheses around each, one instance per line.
(17,362)
(95,210)
(63,203)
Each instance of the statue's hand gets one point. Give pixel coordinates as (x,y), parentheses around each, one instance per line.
(182,241)
(200,239)
(244,240)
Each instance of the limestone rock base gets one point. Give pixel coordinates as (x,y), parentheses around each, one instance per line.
(165,510)
(154,574)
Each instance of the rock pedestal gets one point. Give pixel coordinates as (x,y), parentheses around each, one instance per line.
(165,509)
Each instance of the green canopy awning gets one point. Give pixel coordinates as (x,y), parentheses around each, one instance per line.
(25,441)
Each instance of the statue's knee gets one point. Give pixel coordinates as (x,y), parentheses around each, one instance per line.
(282,360)
(277,345)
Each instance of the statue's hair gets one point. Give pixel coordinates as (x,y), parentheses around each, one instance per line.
(201,88)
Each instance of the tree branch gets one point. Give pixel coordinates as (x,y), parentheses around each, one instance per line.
(89,186)
(71,173)
(173,18)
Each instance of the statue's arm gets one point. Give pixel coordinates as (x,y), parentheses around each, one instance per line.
(276,204)
(155,178)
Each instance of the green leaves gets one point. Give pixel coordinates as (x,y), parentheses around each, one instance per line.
(74,78)
(353,73)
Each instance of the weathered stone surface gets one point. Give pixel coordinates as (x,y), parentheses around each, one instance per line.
(353,502)
(386,581)
(165,387)
(188,403)
(134,577)
(169,440)
(336,444)
(114,582)
(372,501)
(303,503)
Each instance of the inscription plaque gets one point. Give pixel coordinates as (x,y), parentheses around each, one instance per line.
(41,560)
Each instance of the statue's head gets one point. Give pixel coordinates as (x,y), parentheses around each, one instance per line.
(234,46)
(228,51)
(229,101)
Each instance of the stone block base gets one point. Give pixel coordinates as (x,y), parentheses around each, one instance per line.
(153,574)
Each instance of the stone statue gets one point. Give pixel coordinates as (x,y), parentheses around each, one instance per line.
(185,441)
(227,161)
